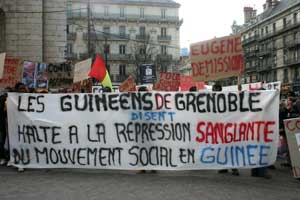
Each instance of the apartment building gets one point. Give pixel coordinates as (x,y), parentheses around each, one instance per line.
(127,33)
(271,43)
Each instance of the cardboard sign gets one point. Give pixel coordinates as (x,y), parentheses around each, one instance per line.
(60,75)
(35,75)
(168,82)
(292,130)
(81,70)
(216,59)
(12,73)
(2,61)
(186,82)
(150,130)
(128,85)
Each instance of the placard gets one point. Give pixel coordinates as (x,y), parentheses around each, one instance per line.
(82,70)
(168,81)
(12,73)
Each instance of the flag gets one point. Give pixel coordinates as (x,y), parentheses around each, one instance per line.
(100,73)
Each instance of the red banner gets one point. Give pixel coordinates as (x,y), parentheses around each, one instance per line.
(12,72)
(186,82)
(168,82)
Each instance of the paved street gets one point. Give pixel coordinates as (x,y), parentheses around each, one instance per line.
(101,184)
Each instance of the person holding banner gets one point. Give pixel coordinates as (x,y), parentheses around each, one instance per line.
(3,132)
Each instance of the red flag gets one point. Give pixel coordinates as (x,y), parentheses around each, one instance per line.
(98,70)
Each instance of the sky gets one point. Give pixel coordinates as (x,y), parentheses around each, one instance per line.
(206,19)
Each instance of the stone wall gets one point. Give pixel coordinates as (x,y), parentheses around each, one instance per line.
(33,31)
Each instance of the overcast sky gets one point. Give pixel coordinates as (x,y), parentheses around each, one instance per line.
(206,19)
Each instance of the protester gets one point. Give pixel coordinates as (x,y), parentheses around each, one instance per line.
(193,89)
(3,129)
(107,90)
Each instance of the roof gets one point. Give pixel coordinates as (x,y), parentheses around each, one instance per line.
(168,3)
(281,6)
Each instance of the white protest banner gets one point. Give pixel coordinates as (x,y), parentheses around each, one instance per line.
(254,86)
(81,70)
(217,58)
(2,61)
(292,130)
(151,130)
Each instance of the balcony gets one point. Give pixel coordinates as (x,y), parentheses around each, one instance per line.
(292,61)
(265,52)
(118,57)
(251,54)
(265,66)
(164,38)
(116,16)
(142,37)
(162,57)
(71,36)
(293,44)
(249,40)
(108,36)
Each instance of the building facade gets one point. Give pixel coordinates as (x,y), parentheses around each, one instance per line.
(271,44)
(33,30)
(127,33)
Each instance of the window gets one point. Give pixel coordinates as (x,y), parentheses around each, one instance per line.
(284,22)
(275,60)
(163,49)
(286,76)
(262,32)
(296,74)
(69,48)
(267,29)
(122,12)
(107,49)
(122,49)
(122,69)
(142,31)
(142,51)
(274,27)
(285,55)
(274,44)
(106,29)
(163,32)
(284,40)
(275,75)
(106,11)
(295,17)
(122,31)
(295,36)
(163,13)
(142,12)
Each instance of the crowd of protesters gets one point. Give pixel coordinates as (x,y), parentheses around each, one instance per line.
(288,108)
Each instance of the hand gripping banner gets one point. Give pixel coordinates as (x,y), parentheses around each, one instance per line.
(152,130)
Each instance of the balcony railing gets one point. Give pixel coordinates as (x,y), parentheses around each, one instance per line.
(97,15)
(142,37)
(118,57)
(250,39)
(71,36)
(164,38)
(292,43)
(265,52)
(103,36)
(291,61)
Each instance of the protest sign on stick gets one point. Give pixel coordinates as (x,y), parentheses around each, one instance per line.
(81,70)
(60,75)
(217,58)
(186,82)
(150,130)
(292,129)
(168,81)
(12,72)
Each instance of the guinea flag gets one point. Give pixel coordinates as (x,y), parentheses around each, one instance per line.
(100,72)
